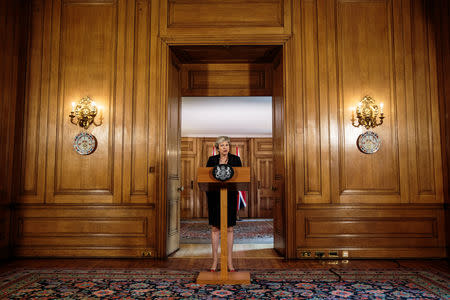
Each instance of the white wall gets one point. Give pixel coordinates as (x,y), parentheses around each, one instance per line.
(231,116)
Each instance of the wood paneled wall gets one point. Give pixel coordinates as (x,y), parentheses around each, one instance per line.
(255,153)
(12,35)
(335,52)
(102,204)
(385,49)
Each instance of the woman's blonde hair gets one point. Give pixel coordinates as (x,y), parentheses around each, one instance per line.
(222,139)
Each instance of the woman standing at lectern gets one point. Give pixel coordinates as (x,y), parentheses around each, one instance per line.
(224,157)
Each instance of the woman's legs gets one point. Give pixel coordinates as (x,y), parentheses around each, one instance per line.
(215,246)
(230,240)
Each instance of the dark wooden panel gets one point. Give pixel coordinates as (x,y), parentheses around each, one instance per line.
(279,156)
(32,182)
(225,20)
(81,227)
(370,227)
(235,79)
(73,230)
(194,54)
(265,13)
(426,185)
(311,111)
(261,202)
(82,22)
(188,146)
(226,80)
(383,229)
(189,199)
(423,114)
(140,110)
(263,146)
(138,185)
(366,70)
(263,176)
(13,20)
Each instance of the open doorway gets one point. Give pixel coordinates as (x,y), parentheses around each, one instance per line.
(248,122)
(254,73)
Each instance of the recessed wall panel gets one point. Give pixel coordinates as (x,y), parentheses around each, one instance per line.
(34,109)
(312,109)
(140,122)
(225,13)
(422,98)
(87,63)
(364,40)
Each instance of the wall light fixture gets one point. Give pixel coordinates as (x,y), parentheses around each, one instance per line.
(84,112)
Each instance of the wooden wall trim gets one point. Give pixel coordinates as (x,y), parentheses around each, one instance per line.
(162,50)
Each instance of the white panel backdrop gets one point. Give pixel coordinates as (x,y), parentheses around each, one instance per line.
(231,116)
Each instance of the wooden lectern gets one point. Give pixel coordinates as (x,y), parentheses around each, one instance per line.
(239,182)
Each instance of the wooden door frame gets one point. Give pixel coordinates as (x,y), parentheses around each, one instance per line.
(162,59)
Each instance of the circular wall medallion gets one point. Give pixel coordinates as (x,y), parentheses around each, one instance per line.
(222,172)
(368,142)
(84,143)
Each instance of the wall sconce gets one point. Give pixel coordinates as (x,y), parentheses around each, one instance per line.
(367,113)
(84,112)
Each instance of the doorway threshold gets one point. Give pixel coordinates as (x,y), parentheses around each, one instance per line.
(247,251)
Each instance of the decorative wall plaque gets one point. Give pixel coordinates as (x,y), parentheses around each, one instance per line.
(84,143)
(222,172)
(368,142)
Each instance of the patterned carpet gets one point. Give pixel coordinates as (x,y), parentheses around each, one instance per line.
(165,284)
(247,231)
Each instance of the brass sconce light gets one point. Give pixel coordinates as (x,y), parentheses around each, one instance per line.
(84,112)
(367,112)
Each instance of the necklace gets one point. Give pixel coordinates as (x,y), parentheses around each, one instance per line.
(223,160)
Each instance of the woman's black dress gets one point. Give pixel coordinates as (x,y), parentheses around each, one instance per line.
(214,197)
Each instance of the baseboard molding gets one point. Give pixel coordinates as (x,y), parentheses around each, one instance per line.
(63,252)
(372,253)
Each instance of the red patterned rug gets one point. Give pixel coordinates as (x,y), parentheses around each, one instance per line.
(247,231)
(265,284)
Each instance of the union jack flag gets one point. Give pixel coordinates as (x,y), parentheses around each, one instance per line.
(242,195)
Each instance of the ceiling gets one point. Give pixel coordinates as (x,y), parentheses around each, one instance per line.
(225,53)
(231,116)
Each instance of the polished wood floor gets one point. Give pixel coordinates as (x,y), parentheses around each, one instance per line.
(243,261)
(248,251)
